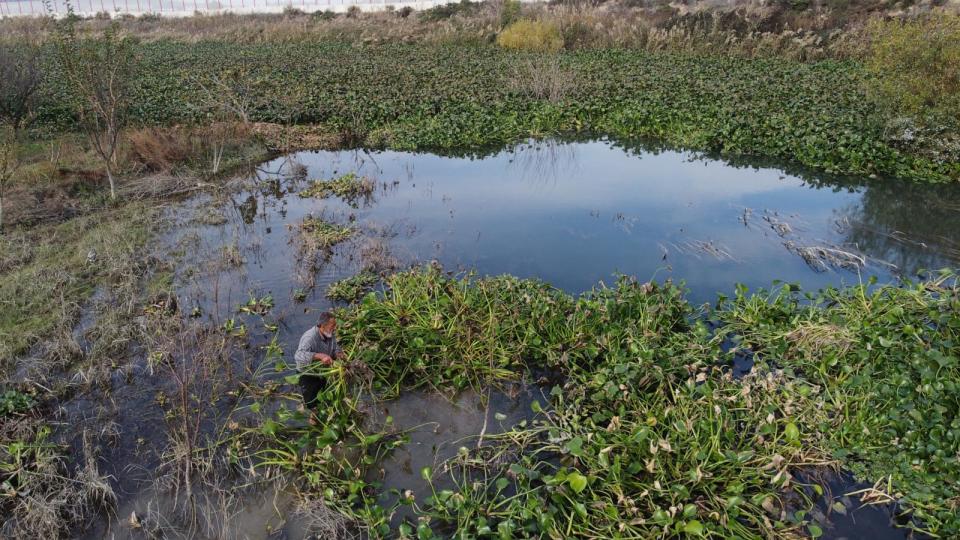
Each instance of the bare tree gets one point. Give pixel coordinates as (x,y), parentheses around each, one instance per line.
(231,95)
(100,73)
(19,81)
(227,99)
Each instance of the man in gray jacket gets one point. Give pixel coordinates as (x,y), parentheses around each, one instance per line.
(318,345)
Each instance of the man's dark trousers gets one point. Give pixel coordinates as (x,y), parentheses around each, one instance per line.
(311,385)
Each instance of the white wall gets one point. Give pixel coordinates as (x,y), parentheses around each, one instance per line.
(187,8)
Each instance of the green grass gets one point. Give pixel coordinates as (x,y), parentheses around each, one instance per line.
(647,434)
(47,272)
(421,96)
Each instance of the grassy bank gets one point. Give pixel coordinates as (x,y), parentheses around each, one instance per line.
(451,96)
(647,432)
(48,273)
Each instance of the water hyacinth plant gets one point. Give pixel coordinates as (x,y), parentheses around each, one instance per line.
(647,431)
(349,187)
(352,288)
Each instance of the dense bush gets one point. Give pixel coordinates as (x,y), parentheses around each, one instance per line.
(527,35)
(916,77)
(917,63)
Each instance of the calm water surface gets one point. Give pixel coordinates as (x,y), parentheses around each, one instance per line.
(576,214)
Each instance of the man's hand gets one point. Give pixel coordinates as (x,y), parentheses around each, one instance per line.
(341,355)
(322,358)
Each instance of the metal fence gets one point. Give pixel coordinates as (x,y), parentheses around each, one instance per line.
(184,8)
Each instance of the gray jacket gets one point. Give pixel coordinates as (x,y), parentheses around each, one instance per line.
(314,342)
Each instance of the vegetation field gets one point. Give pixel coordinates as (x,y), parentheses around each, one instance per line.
(460,97)
(647,433)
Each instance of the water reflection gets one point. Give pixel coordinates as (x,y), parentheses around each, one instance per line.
(911,226)
(576,213)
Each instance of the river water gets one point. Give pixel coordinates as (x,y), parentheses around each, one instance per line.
(574,214)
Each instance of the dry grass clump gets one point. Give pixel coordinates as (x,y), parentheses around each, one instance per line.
(160,149)
(916,65)
(529,35)
(318,234)
(197,148)
(42,498)
(349,187)
(805,31)
(817,340)
(323,521)
(822,258)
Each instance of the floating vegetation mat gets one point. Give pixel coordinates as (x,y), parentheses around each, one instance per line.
(349,187)
(318,233)
(647,433)
(352,288)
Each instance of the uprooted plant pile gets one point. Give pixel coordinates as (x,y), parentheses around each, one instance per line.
(649,433)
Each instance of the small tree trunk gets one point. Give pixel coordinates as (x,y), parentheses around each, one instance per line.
(113,189)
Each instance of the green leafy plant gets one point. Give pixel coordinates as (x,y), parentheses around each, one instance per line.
(14,402)
(352,288)
(349,187)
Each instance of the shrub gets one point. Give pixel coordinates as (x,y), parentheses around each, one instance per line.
(509,12)
(292,12)
(446,11)
(527,35)
(19,81)
(325,15)
(917,64)
(404,12)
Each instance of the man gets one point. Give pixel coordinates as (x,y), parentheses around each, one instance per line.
(318,345)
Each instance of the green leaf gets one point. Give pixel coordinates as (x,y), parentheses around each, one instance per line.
(577,482)
(791,432)
(815,530)
(574,446)
(693,527)
(426,473)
